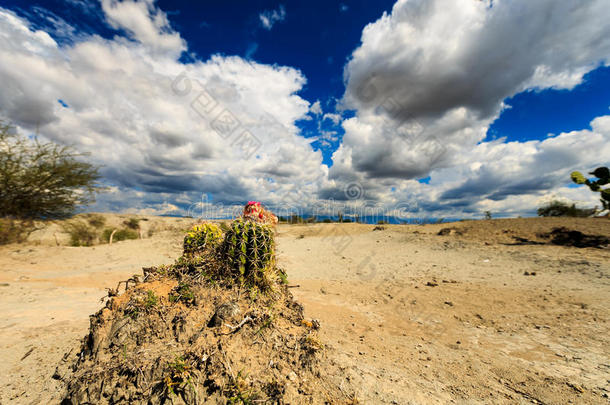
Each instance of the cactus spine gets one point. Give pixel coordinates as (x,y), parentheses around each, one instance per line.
(202,237)
(249,251)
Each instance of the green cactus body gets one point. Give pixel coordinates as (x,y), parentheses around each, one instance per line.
(249,251)
(578,178)
(202,237)
(603,178)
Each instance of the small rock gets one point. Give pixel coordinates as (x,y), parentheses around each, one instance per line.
(449,303)
(576,388)
(292,376)
(431,284)
(223,312)
(526,273)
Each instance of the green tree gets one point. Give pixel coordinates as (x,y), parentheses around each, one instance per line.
(42,180)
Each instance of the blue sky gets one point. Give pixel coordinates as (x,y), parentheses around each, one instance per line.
(426,108)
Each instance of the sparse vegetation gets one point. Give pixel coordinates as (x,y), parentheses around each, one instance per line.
(81,233)
(119,235)
(283,277)
(14,231)
(296,219)
(42,180)
(563,209)
(142,301)
(238,391)
(151,300)
(132,223)
(96,220)
(180,376)
(182,293)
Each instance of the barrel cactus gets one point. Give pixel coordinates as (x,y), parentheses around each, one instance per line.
(249,252)
(202,237)
(603,178)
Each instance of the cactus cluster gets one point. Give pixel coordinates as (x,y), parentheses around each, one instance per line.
(249,251)
(603,178)
(202,237)
(243,254)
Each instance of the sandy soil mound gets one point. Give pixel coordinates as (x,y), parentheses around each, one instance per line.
(539,230)
(183,336)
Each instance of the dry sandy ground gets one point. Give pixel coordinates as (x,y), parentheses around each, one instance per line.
(413,316)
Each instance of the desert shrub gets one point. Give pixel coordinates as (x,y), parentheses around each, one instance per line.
(120,234)
(249,252)
(562,209)
(183,293)
(381,222)
(201,237)
(132,223)
(151,299)
(13,231)
(42,180)
(81,234)
(96,221)
(327,221)
(296,219)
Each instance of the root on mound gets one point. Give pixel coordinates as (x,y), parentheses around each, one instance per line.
(218,326)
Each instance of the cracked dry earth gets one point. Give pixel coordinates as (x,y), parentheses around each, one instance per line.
(412,316)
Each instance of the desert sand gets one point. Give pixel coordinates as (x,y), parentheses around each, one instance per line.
(472,316)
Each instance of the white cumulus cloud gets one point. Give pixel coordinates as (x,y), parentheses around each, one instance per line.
(268,18)
(430,77)
(224,127)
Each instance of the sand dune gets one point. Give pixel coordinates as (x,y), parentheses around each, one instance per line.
(413,316)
